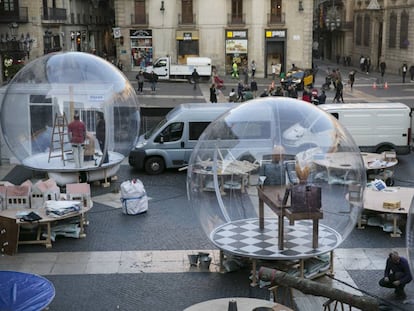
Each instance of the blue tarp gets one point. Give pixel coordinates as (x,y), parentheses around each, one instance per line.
(24,291)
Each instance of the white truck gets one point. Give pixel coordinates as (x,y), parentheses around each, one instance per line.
(165,70)
(375,127)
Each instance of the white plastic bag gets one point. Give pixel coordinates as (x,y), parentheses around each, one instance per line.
(133,197)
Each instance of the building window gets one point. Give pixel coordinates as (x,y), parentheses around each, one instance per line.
(367,29)
(358,31)
(237,11)
(404,43)
(393,31)
(187,11)
(8,5)
(140,12)
(275,11)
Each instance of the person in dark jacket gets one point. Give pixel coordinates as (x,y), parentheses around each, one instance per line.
(322,98)
(101,134)
(213,93)
(396,274)
(194,77)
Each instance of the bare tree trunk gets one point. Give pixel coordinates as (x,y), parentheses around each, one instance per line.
(280,278)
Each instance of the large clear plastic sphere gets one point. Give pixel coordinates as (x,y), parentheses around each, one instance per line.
(46,94)
(292,156)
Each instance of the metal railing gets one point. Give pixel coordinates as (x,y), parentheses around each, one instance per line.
(53,14)
(186,19)
(139,19)
(21,17)
(236,19)
(273,19)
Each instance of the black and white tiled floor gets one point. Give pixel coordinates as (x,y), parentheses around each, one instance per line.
(245,238)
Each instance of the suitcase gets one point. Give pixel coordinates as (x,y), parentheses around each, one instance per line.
(305,198)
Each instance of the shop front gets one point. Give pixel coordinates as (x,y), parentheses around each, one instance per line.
(141,48)
(275,51)
(187,45)
(236,49)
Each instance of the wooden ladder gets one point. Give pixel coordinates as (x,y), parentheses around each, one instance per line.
(59,132)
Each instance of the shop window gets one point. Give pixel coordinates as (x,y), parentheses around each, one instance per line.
(393,31)
(358,31)
(367,29)
(404,43)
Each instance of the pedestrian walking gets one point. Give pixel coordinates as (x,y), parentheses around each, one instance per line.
(351,77)
(362,63)
(253,87)
(383,66)
(339,91)
(253,68)
(153,79)
(213,93)
(240,89)
(273,71)
(235,72)
(411,73)
(77,136)
(100,135)
(404,72)
(140,79)
(194,78)
(246,74)
(396,274)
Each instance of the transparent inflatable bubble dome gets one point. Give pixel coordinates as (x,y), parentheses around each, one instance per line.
(276,178)
(46,94)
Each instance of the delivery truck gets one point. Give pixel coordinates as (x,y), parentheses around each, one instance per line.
(165,70)
(375,127)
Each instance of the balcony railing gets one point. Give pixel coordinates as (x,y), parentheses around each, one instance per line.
(273,19)
(19,17)
(236,19)
(53,14)
(184,20)
(139,19)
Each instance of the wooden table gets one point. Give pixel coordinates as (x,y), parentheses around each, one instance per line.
(374,200)
(243,304)
(343,161)
(46,221)
(242,169)
(273,197)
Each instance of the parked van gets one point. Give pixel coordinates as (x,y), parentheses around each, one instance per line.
(170,143)
(375,127)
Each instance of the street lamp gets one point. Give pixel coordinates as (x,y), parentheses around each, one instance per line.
(333,18)
(13,30)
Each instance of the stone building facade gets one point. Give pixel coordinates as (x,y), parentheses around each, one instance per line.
(384,31)
(33,28)
(266,31)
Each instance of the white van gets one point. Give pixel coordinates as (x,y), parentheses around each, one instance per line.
(170,143)
(375,127)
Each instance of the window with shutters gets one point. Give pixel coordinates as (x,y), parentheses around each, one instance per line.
(140,13)
(275,11)
(392,43)
(187,11)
